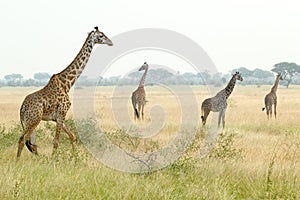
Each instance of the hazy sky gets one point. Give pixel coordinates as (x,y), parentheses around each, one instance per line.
(45,36)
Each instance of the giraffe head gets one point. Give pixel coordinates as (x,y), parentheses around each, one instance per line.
(143,67)
(238,76)
(280,76)
(99,37)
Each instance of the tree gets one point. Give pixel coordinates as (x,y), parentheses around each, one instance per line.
(205,77)
(217,80)
(262,74)
(30,82)
(288,70)
(244,71)
(13,79)
(41,76)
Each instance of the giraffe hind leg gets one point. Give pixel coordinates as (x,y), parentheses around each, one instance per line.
(31,143)
(26,136)
(268,111)
(71,135)
(20,146)
(139,110)
(221,118)
(143,112)
(134,102)
(136,114)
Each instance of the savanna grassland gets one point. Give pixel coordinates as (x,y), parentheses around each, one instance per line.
(255,158)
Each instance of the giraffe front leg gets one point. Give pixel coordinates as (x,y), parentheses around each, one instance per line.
(139,110)
(71,135)
(221,118)
(275,110)
(57,134)
(143,111)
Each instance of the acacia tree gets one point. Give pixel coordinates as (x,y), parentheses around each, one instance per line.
(288,70)
(13,79)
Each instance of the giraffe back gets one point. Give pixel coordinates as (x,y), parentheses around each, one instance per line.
(139,95)
(47,103)
(270,99)
(219,101)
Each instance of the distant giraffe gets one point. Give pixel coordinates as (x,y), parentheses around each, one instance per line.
(52,102)
(138,97)
(218,103)
(271,98)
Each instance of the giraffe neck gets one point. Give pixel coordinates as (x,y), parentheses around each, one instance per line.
(71,73)
(142,82)
(275,86)
(230,86)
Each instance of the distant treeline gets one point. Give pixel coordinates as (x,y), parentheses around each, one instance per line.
(163,76)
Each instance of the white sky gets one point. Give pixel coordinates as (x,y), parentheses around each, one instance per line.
(45,35)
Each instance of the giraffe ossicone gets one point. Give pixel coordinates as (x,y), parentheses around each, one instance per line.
(52,102)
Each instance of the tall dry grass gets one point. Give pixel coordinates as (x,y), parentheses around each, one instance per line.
(255,158)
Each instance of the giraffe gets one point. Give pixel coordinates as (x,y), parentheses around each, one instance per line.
(52,102)
(271,98)
(138,97)
(218,103)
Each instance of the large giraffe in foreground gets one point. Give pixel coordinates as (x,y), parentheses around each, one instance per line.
(138,97)
(218,103)
(52,102)
(271,98)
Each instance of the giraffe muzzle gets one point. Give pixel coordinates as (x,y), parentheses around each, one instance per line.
(108,42)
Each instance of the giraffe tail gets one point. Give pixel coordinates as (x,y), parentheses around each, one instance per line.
(263,108)
(30,144)
(136,113)
(133,100)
